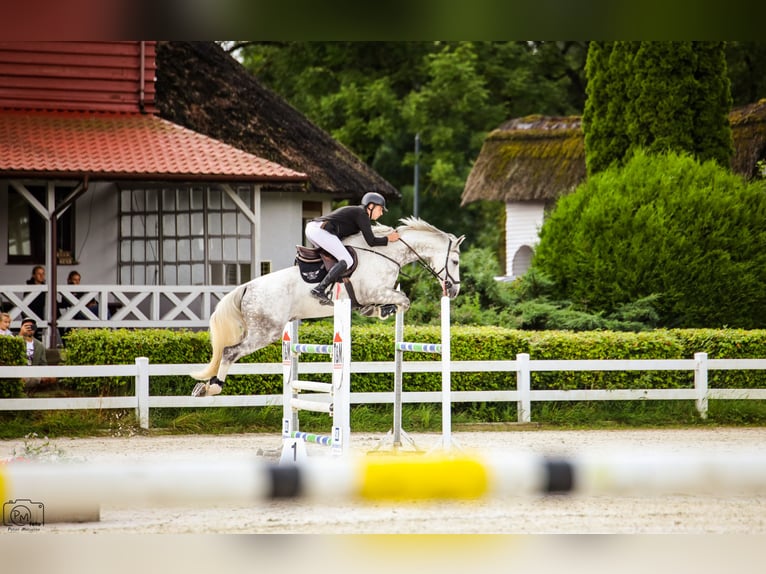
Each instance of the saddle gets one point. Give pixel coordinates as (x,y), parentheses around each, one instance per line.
(315,262)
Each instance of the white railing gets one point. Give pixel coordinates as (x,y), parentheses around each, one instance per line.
(142,370)
(141,306)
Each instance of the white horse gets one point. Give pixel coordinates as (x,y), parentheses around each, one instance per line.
(254,314)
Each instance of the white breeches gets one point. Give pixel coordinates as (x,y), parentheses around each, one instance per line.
(327,241)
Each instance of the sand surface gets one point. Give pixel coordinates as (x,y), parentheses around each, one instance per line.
(675,513)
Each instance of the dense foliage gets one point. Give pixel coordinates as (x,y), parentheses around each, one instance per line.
(657,96)
(13,353)
(375,343)
(690,234)
(374,97)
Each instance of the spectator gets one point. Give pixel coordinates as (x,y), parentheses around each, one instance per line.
(35,349)
(74,278)
(37,306)
(5,324)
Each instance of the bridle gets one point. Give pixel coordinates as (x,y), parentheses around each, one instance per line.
(447,282)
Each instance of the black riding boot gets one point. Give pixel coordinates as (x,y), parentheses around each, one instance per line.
(320,291)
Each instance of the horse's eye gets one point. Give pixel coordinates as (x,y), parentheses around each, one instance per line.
(455,262)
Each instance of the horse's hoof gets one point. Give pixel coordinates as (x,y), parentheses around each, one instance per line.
(206,390)
(199,390)
(387,310)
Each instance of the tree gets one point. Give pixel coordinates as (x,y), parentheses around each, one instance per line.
(374,97)
(451,112)
(746,68)
(657,96)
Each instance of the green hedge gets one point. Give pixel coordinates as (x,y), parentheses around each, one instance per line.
(375,343)
(13,352)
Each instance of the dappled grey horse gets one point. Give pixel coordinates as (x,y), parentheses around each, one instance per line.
(254,314)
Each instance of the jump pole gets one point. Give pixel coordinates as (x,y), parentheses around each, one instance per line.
(197,482)
(338,392)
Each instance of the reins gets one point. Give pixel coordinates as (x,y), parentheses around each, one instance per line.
(448,280)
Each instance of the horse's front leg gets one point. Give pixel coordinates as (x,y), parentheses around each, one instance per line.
(388,302)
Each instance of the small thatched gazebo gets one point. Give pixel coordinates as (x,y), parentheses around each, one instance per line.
(529,162)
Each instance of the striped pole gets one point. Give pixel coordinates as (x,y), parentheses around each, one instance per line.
(239,481)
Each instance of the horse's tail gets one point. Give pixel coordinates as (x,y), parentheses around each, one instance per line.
(226,329)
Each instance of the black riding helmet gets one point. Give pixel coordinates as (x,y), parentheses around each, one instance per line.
(375,198)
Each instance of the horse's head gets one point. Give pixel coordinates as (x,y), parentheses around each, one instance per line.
(437,251)
(450,275)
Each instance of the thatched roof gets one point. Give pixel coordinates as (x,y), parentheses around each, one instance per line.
(530,158)
(203,88)
(542,158)
(748,129)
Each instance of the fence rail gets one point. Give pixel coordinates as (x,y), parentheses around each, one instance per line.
(142,370)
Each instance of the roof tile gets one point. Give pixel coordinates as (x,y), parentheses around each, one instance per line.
(122,146)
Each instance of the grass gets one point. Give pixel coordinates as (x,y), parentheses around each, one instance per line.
(379,418)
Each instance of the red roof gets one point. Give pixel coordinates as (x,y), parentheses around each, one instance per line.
(117,146)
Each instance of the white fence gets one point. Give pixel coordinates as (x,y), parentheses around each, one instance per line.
(142,370)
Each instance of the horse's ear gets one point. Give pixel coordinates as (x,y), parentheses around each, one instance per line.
(460,240)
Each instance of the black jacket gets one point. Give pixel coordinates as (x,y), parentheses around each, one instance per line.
(349,220)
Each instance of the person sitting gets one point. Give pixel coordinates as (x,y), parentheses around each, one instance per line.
(5,324)
(35,349)
(74,278)
(328,230)
(37,306)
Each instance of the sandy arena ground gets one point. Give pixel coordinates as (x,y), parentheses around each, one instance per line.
(682,513)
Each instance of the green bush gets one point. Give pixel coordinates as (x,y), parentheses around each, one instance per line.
(13,353)
(690,234)
(376,343)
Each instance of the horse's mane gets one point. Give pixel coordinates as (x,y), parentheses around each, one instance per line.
(380,230)
(417,224)
(408,224)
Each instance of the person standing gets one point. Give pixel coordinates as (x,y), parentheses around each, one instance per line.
(328,230)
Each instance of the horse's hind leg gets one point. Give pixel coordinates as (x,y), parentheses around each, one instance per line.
(230,356)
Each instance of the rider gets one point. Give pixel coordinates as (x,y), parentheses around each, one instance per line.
(328,230)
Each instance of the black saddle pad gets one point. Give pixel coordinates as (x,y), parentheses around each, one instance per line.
(309,256)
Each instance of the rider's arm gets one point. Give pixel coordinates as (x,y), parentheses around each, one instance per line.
(366,228)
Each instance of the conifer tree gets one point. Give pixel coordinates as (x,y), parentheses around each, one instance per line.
(657,96)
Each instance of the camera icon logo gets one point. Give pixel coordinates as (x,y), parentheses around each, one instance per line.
(23,512)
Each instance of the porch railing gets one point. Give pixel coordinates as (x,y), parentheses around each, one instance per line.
(115,306)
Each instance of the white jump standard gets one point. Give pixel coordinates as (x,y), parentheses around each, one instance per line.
(443,349)
(332,398)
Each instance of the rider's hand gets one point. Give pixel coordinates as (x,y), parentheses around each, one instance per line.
(393,236)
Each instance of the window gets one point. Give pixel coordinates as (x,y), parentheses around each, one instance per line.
(184,236)
(26,227)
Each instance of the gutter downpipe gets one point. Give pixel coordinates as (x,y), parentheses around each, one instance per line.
(142,80)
